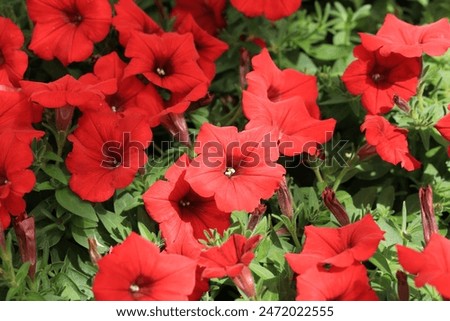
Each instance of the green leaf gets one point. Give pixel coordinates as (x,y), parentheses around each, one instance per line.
(71,202)
(125,203)
(55,172)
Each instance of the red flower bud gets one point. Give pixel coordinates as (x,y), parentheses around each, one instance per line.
(335,207)
(285,198)
(401,103)
(244,67)
(63,117)
(176,125)
(402,286)
(26,237)
(2,237)
(427,212)
(366,152)
(245,282)
(255,216)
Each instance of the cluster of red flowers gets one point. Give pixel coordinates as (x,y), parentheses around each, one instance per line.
(387,72)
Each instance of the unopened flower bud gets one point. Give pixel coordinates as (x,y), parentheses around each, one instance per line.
(427,212)
(63,117)
(285,198)
(335,207)
(255,216)
(2,237)
(402,286)
(366,151)
(245,282)
(401,103)
(26,238)
(177,126)
(93,252)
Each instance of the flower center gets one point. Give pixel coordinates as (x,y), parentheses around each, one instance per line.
(112,154)
(3,181)
(74,18)
(230,171)
(2,58)
(377,77)
(184,203)
(134,288)
(160,71)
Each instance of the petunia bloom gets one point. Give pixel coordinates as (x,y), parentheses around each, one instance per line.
(15,178)
(208,47)
(130,18)
(132,96)
(207,13)
(390,142)
(268,81)
(136,271)
(237,169)
(431,266)
(337,247)
(397,36)
(13,61)
(348,284)
(232,259)
(294,137)
(168,61)
(271,9)
(379,79)
(107,153)
(68,29)
(180,212)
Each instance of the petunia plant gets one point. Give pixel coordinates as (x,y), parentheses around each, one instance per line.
(224,150)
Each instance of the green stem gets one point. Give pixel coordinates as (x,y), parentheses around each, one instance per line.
(344,172)
(318,174)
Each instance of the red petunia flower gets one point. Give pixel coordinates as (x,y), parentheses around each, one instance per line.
(232,259)
(207,13)
(179,210)
(443,127)
(107,153)
(431,266)
(338,247)
(390,142)
(208,47)
(13,61)
(349,284)
(15,177)
(238,169)
(168,61)
(267,81)
(271,9)
(130,18)
(294,137)
(132,96)
(136,271)
(397,36)
(379,78)
(68,29)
